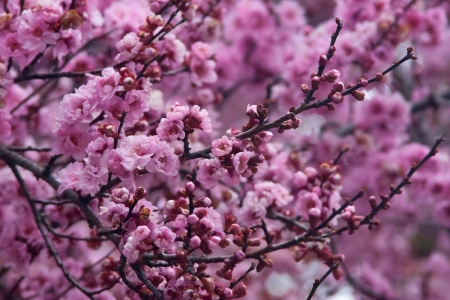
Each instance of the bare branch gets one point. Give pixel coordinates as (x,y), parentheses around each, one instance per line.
(318,282)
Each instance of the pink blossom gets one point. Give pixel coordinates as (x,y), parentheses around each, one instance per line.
(137,151)
(305,202)
(199,119)
(128,47)
(203,72)
(108,84)
(77,107)
(35,32)
(174,49)
(240,163)
(120,195)
(81,177)
(222,146)
(201,51)
(69,42)
(72,140)
(209,172)
(164,238)
(178,112)
(136,101)
(135,242)
(164,160)
(112,215)
(170,130)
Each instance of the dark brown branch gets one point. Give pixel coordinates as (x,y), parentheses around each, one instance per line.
(66,236)
(285,219)
(25,149)
(318,282)
(34,93)
(330,53)
(16,159)
(141,275)
(125,280)
(49,202)
(163,29)
(397,190)
(339,210)
(41,227)
(339,156)
(56,75)
(49,166)
(243,276)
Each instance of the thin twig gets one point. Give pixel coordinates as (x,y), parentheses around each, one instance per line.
(318,282)
(243,276)
(303,107)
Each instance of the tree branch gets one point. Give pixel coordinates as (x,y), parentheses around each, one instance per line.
(318,282)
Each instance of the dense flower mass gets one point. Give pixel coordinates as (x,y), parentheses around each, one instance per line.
(223,149)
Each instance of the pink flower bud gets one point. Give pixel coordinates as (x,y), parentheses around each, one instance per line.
(337,98)
(300,179)
(379,77)
(358,95)
(338,87)
(323,61)
(234,229)
(305,89)
(169,205)
(195,242)
(363,82)
(332,76)
(192,219)
(239,256)
(315,82)
(228,293)
(314,212)
(311,172)
(347,215)
(120,195)
(317,190)
(190,187)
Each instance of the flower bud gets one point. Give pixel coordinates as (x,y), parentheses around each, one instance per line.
(315,81)
(323,61)
(363,82)
(358,95)
(195,242)
(239,256)
(338,87)
(192,219)
(337,98)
